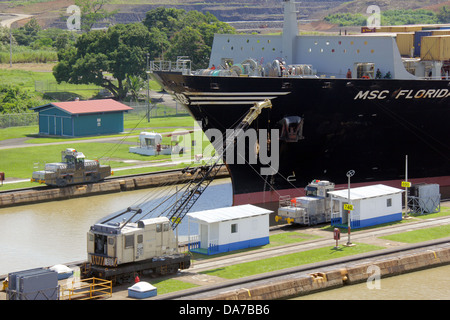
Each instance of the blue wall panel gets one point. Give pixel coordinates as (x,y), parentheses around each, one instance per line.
(95,124)
(53,121)
(230,246)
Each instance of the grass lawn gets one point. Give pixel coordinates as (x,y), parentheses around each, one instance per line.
(23,78)
(21,162)
(445,211)
(276,240)
(170,285)
(281,239)
(420,235)
(17,132)
(288,261)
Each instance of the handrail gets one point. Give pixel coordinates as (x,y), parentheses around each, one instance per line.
(87,290)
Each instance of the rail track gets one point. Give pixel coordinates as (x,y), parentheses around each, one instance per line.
(307,245)
(110,178)
(211,290)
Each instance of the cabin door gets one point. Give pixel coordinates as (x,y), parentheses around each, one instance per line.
(204,236)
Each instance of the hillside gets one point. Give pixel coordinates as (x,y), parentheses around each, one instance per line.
(257,14)
(360,6)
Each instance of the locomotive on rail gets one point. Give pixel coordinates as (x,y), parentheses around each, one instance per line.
(73,169)
(118,250)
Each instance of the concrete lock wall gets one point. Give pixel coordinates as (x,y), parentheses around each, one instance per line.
(339,277)
(108,186)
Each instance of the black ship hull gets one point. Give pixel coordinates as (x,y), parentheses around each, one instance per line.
(342,124)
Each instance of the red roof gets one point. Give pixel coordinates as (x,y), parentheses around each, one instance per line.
(91,106)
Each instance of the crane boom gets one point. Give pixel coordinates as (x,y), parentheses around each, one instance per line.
(205,174)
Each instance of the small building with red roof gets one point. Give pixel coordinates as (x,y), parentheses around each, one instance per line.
(81,118)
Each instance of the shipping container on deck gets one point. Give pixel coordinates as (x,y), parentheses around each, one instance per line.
(418,36)
(405,42)
(435,48)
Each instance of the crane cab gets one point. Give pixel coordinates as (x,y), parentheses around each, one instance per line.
(113,244)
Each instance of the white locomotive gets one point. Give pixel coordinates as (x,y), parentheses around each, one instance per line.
(315,207)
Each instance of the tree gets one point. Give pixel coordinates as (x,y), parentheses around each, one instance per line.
(444,15)
(28,33)
(167,20)
(14,99)
(5,36)
(189,33)
(106,58)
(159,43)
(135,84)
(92,12)
(189,42)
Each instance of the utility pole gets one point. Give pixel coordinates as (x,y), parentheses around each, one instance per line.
(406,184)
(148,89)
(350,174)
(10,47)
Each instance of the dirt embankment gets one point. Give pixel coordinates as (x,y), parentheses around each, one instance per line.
(257,13)
(53,13)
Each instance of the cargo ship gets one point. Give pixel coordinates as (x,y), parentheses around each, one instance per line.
(342,102)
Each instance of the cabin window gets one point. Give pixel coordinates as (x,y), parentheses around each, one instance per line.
(158,227)
(140,238)
(389,202)
(234,228)
(111,241)
(166,227)
(100,244)
(129,241)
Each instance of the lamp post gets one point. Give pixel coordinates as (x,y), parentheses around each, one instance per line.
(148,88)
(350,174)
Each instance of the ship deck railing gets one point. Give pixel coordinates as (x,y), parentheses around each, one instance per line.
(183,65)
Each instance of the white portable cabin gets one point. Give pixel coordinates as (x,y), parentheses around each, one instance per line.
(372,205)
(150,144)
(229,229)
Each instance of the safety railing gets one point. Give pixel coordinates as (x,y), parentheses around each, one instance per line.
(284,201)
(183,65)
(92,288)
